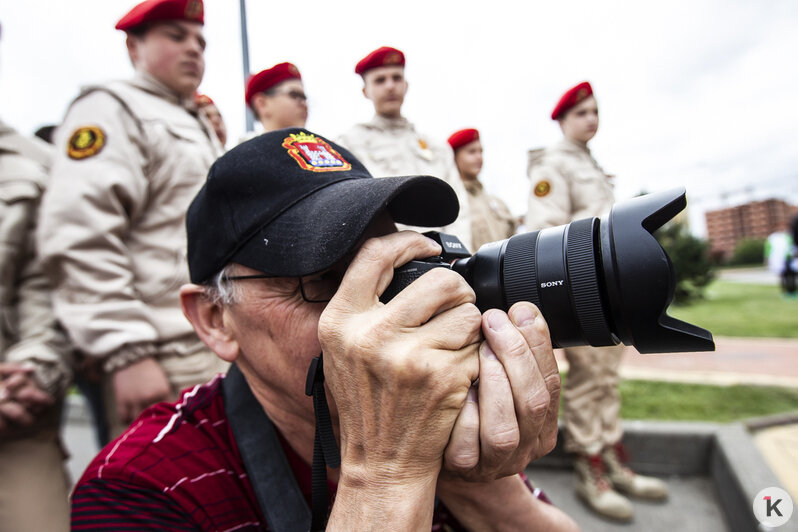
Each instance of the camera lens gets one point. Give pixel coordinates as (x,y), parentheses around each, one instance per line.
(596,281)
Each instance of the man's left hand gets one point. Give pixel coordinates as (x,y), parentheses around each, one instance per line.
(510,418)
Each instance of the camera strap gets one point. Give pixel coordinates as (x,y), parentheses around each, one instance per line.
(325,450)
(269,472)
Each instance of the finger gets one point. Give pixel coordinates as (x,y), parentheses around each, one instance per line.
(32,394)
(462,452)
(527,319)
(10,368)
(499,431)
(16,382)
(372,268)
(15,413)
(436,291)
(515,354)
(454,328)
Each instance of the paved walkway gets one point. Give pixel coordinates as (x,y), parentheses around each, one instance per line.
(761,361)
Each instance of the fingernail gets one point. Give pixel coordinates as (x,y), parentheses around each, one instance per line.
(488,353)
(497,320)
(524,315)
(3,393)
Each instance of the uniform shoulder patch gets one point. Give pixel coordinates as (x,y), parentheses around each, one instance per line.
(542,188)
(314,153)
(85,142)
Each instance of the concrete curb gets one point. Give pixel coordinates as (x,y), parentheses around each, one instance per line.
(724,453)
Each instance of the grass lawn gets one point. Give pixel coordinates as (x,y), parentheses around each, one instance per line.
(702,402)
(736,309)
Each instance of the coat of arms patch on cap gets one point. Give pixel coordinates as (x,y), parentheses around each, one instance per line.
(314,153)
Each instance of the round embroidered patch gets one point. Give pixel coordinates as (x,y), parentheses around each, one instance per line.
(542,188)
(85,142)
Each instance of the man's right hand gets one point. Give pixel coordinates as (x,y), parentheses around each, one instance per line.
(399,374)
(138,386)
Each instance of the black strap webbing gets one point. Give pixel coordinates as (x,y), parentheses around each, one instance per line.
(272,479)
(325,450)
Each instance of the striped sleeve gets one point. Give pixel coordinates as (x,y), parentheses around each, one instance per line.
(112,505)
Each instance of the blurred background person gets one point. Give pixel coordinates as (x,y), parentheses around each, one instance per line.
(35,363)
(207,107)
(568,184)
(491,220)
(780,257)
(130,155)
(389,144)
(277,97)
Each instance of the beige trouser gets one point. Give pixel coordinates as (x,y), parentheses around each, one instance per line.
(34,486)
(188,363)
(592,403)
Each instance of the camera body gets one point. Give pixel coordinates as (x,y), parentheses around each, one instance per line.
(596,281)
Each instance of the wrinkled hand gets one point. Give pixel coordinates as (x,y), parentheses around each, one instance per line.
(138,386)
(21,399)
(510,419)
(399,373)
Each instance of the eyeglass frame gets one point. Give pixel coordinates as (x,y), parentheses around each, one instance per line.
(265,276)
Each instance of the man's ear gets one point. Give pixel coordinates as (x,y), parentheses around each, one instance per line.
(208,321)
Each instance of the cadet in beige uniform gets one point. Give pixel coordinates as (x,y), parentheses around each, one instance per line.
(491,220)
(567,185)
(35,366)
(389,144)
(130,157)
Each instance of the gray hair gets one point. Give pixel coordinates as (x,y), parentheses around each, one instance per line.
(221,292)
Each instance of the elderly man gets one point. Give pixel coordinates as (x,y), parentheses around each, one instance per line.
(130,156)
(390,145)
(277,97)
(291,243)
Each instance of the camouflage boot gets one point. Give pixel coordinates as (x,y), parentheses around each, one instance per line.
(594,488)
(627,481)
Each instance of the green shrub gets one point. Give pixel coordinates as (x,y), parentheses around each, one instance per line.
(749,251)
(690,258)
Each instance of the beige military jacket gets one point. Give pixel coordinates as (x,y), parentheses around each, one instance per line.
(28,330)
(491,220)
(566,184)
(392,147)
(130,156)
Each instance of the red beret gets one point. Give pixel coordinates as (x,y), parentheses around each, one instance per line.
(463,137)
(383,56)
(266,79)
(156,10)
(571,97)
(202,100)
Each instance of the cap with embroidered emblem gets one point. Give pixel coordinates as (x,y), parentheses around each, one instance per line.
(291,203)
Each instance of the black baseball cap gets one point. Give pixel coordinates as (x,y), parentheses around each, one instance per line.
(291,203)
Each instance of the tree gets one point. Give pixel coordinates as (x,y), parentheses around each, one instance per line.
(690,258)
(749,251)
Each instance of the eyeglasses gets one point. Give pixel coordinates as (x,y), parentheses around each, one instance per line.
(316,288)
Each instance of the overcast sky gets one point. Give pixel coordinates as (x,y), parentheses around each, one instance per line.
(691,93)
